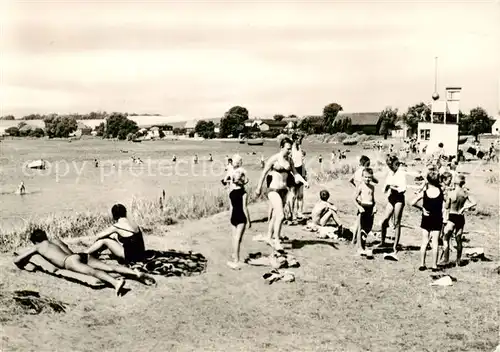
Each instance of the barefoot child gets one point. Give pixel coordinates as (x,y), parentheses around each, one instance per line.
(365,201)
(240,217)
(356,180)
(457,202)
(432,218)
(59,254)
(323,212)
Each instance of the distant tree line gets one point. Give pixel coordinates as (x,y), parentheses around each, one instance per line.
(118,125)
(94,115)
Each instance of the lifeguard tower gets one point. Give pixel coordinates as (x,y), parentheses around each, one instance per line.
(443,127)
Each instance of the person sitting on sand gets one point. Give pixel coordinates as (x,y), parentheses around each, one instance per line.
(124,238)
(395,186)
(457,203)
(240,217)
(21,189)
(365,201)
(174,159)
(60,255)
(279,167)
(210,158)
(432,218)
(262,161)
(195,159)
(324,212)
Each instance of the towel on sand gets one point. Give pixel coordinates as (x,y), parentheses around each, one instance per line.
(39,263)
(171,263)
(277,260)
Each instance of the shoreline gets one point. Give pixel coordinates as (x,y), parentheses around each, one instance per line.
(150,213)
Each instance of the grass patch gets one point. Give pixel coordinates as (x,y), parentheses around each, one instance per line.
(337,137)
(150,214)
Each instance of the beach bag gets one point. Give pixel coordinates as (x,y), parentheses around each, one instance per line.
(472,151)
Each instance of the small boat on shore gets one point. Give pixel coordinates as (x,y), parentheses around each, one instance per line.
(37,164)
(256,141)
(137,140)
(350,142)
(462,140)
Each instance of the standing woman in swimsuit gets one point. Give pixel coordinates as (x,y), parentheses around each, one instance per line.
(123,238)
(395,186)
(278,167)
(240,217)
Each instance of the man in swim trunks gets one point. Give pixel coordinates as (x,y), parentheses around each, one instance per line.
(364,200)
(59,254)
(297,189)
(457,202)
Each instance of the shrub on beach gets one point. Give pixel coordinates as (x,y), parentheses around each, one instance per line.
(337,137)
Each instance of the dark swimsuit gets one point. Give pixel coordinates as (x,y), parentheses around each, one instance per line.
(396,197)
(133,246)
(236,198)
(366,218)
(434,206)
(282,191)
(458,220)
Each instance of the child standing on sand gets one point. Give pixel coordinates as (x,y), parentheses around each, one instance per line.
(365,201)
(457,203)
(240,217)
(356,180)
(432,218)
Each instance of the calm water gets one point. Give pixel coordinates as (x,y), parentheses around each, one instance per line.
(72,183)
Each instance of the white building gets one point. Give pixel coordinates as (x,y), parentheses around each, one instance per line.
(401,130)
(430,134)
(495,129)
(190,125)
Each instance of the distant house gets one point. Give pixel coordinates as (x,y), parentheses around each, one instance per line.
(291,122)
(495,128)
(272,125)
(217,128)
(154,132)
(401,130)
(82,129)
(26,129)
(366,122)
(190,126)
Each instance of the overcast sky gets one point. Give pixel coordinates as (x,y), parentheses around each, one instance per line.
(198,59)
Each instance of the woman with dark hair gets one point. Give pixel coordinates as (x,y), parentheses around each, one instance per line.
(395,186)
(279,166)
(123,238)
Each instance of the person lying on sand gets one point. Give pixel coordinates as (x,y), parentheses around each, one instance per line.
(61,256)
(124,238)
